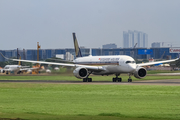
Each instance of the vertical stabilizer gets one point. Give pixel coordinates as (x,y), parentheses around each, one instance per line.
(76,46)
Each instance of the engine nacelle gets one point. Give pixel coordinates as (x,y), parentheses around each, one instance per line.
(80,72)
(140,72)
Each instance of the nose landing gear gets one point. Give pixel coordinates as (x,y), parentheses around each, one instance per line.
(129,79)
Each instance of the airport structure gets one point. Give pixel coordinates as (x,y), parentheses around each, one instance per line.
(140,53)
(156,45)
(69,54)
(109,46)
(130,39)
(161,44)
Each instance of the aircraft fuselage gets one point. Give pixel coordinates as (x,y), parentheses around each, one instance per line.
(112,64)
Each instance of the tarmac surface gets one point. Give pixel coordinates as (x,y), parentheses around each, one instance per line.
(172,82)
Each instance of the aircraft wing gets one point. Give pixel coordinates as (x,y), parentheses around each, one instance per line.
(5,70)
(25,66)
(26,69)
(93,68)
(158,62)
(100,68)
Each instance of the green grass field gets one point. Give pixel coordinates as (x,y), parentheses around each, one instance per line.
(88,102)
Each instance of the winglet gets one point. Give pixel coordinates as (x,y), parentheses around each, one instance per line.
(3,56)
(76,46)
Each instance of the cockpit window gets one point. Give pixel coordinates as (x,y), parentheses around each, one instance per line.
(130,62)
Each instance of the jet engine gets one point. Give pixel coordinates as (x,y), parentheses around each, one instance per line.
(80,72)
(140,72)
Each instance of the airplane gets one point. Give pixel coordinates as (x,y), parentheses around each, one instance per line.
(15,68)
(102,65)
(9,68)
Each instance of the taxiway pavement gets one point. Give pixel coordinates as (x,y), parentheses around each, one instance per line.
(174,82)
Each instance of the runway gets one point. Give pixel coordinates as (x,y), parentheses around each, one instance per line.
(174,82)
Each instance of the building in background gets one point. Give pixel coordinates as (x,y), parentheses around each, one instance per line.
(156,45)
(130,38)
(84,51)
(166,44)
(1,58)
(145,40)
(139,53)
(69,54)
(109,46)
(161,44)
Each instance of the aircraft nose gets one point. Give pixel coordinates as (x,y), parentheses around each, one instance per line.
(132,67)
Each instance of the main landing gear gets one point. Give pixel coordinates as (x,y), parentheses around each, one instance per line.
(87,79)
(117,79)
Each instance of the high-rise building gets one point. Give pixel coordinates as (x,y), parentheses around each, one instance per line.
(130,38)
(145,40)
(125,39)
(140,40)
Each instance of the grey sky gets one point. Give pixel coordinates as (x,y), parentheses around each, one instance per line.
(23,23)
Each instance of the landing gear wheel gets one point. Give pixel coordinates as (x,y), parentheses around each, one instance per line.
(89,79)
(114,79)
(19,72)
(119,79)
(84,80)
(129,80)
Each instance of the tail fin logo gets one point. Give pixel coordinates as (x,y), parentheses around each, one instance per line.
(76,46)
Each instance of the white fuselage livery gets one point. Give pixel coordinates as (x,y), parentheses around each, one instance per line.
(111,64)
(10,68)
(15,68)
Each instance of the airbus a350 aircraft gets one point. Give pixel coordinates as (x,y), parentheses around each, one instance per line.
(103,65)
